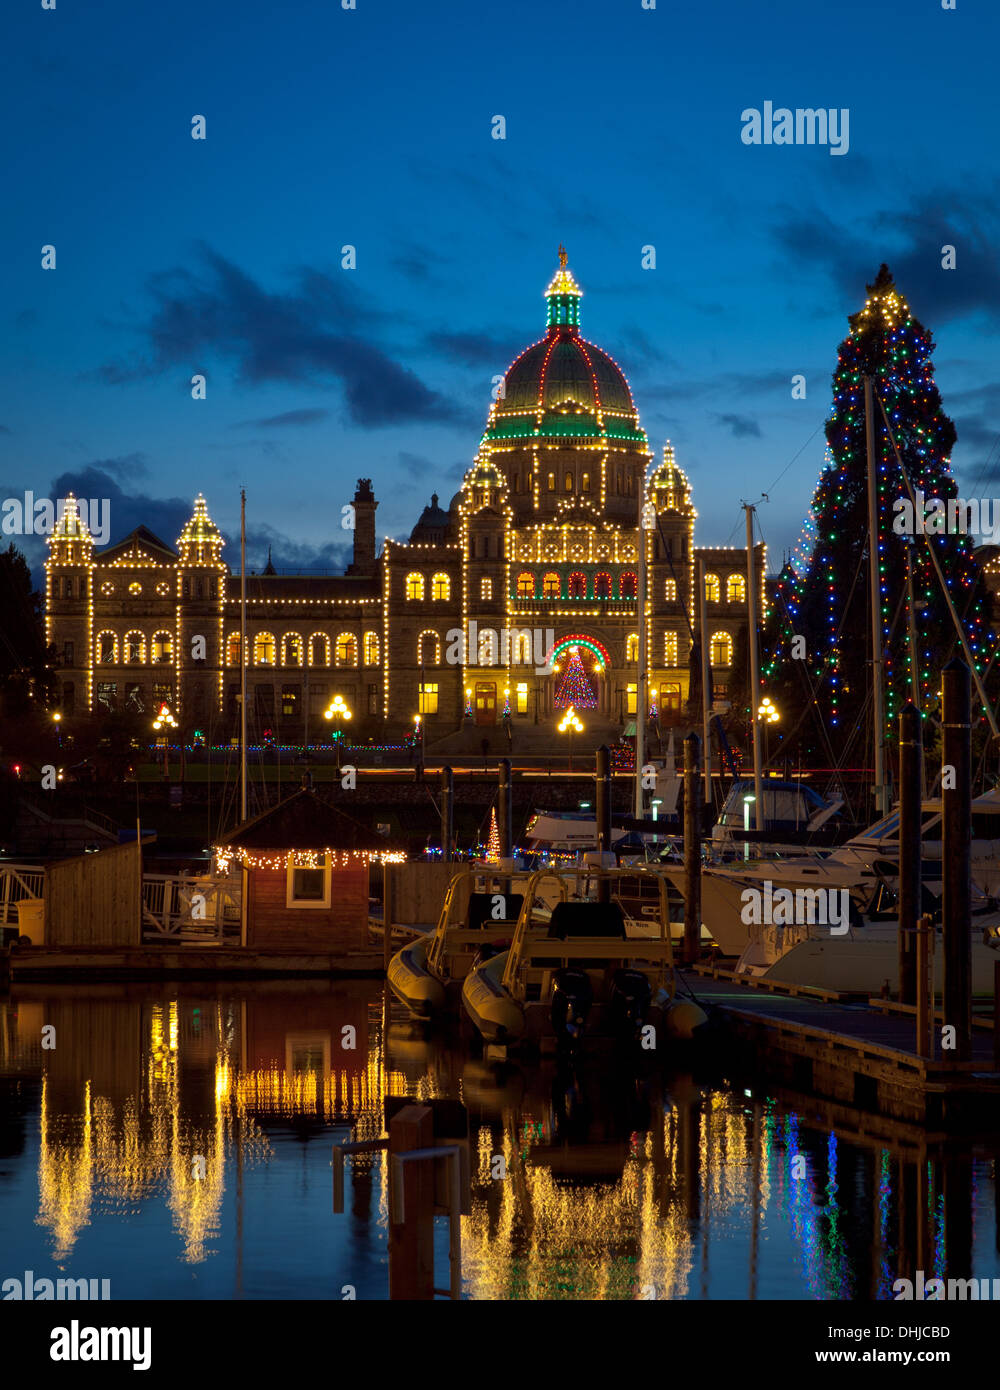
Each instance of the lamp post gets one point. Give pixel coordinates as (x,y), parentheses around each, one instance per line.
(57,720)
(767,713)
(338,712)
(570,724)
(165,720)
(418,735)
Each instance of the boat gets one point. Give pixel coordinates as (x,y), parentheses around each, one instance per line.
(427,973)
(593,969)
(795,815)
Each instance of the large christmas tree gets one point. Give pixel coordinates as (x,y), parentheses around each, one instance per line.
(825,600)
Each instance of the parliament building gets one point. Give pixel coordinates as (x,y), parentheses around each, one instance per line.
(515,601)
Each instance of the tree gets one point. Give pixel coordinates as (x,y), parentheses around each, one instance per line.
(24,656)
(575,688)
(825,601)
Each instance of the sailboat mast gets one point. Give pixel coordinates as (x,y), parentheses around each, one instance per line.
(706,679)
(878,673)
(758,790)
(243,654)
(641,692)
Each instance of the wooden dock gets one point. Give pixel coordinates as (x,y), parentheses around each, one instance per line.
(857,1052)
(165,962)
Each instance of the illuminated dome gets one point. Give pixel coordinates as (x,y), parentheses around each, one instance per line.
(564,387)
(669,486)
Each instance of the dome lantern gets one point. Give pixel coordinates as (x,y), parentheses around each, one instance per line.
(563,296)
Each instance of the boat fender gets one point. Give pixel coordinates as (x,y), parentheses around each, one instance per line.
(683,1018)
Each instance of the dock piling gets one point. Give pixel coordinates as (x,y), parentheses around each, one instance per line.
(602,802)
(924,985)
(447,814)
(910,782)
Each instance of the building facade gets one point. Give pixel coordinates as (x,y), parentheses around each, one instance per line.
(515,601)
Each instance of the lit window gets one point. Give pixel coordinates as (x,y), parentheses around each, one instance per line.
(233,649)
(585,482)
(107,649)
(550,586)
(711,588)
(736,589)
(347,649)
(632,647)
(263,649)
(568,482)
(630,699)
(134,646)
(319,649)
(289,701)
(486,588)
(428,699)
(670,590)
(627,585)
(441,587)
(526,586)
(552,482)
(670,699)
(577,585)
(722,649)
(521,698)
(291,649)
(372,648)
(670,649)
(602,585)
(162,646)
(415,587)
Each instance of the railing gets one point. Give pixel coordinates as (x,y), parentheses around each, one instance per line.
(197,910)
(18,882)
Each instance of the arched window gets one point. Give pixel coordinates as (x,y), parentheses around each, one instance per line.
(163,646)
(415,587)
(551,588)
(670,590)
(291,649)
(441,587)
(632,647)
(627,585)
(525,585)
(568,481)
(429,648)
(319,649)
(670,649)
(602,584)
(347,649)
(711,588)
(520,647)
(133,648)
(736,589)
(552,482)
(107,649)
(577,585)
(233,649)
(722,649)
(263,649)
(372,648)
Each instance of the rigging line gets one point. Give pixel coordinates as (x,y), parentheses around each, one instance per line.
(795,456)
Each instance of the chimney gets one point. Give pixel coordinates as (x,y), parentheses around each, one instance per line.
(364,530)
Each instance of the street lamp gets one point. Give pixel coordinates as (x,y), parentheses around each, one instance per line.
(165,720)
(767,713)
(338,710)
(570,725)
(57,719)
(418,734)
(747,803)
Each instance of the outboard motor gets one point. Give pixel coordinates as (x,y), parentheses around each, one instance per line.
(630,996)
(572,996)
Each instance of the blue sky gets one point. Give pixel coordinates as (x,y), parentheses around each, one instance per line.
(372,127)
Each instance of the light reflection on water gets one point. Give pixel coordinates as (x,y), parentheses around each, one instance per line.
(177,1140)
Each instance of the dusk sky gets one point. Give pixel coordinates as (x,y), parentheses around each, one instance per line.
(372,127)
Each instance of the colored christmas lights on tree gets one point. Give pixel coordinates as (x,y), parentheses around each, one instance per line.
(824,599)
(493,840)
(575,687)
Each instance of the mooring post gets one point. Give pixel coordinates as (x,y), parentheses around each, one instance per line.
(956,797)
(910,782)
(924,965)
(996,1037)
(447,814)
(411,1241)
(692,848)
(506,816)
(602,804)
(386,915)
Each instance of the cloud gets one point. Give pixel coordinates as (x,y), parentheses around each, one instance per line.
(317,331)
(288,417)
(476,349)
(740,426)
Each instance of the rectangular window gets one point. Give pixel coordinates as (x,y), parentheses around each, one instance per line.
(720,692)
(630,699)
(289,701)
(373,699)
(163,695)
(162,646)
(107,694)
(133,698)
(307,885)
(522,698)
(670,649)
(67,656)
(428,702)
